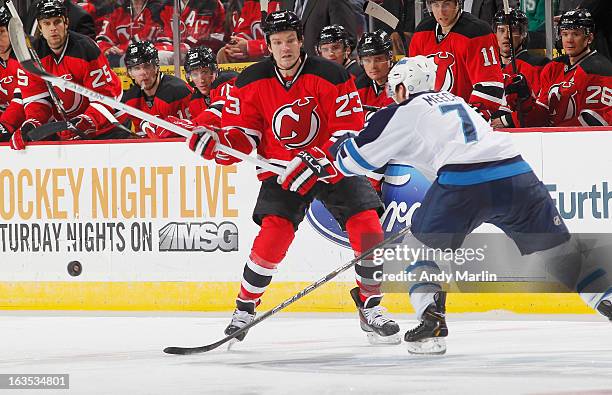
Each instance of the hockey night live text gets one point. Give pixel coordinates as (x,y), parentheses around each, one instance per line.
(115,209)
(116,192)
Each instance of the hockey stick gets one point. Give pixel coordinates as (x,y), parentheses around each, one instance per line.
(512,57)
(22,53)
(263,6)
(287,302)
(370,108)
(46,130)
(377,11)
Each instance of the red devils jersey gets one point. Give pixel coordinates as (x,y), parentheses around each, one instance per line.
(201,21)
(82,63)
(248,23)
(123,24)
(12,79)
(282,118)
(578,95)
(171,98)
(467,59)
(207,111)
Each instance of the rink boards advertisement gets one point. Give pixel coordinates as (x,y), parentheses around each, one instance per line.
(153,227)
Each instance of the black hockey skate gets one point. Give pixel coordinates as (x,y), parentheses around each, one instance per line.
(428,336)
(379,329)
(242,316)
(605,308)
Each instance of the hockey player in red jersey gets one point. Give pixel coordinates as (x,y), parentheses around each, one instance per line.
(576,88)
(528,66)
(136,20)
(201,23)
(289,107)
(465,51)
(336,45)
(75,57)
(153,92)
(207,101)
(219,92)
(376,58)
(201,70)
(210,86)
(12,78)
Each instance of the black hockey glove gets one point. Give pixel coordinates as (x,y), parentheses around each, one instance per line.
(520,87)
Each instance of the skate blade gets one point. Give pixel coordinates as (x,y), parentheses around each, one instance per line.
(431,346)
(376,339)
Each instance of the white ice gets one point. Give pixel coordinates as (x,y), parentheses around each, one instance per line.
(493,353)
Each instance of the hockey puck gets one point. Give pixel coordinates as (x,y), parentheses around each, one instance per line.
(75,268)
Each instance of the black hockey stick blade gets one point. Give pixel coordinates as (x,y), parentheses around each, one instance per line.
(287,302)
(370,108)
(44,131)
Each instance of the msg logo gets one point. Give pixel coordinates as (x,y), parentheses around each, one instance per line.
(204,236)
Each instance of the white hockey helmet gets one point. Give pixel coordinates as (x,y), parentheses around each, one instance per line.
(417,74)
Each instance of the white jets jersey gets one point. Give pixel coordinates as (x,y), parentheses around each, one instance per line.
(429,130)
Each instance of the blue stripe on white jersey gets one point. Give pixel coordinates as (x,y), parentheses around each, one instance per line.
(429,130)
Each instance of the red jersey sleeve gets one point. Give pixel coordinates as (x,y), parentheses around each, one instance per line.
(107,37)
(14,115)
(244,124)
(485,73)
(36,99)
(102,79)
(594,98)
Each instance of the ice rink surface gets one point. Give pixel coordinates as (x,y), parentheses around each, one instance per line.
(493,353)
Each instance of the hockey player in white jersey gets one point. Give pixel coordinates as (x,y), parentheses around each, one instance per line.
(479,177)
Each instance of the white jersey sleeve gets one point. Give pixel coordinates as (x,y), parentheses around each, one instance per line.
(429,130)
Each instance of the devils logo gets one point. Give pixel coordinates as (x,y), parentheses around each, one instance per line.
(444,73)
(562,101)
(297,124)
